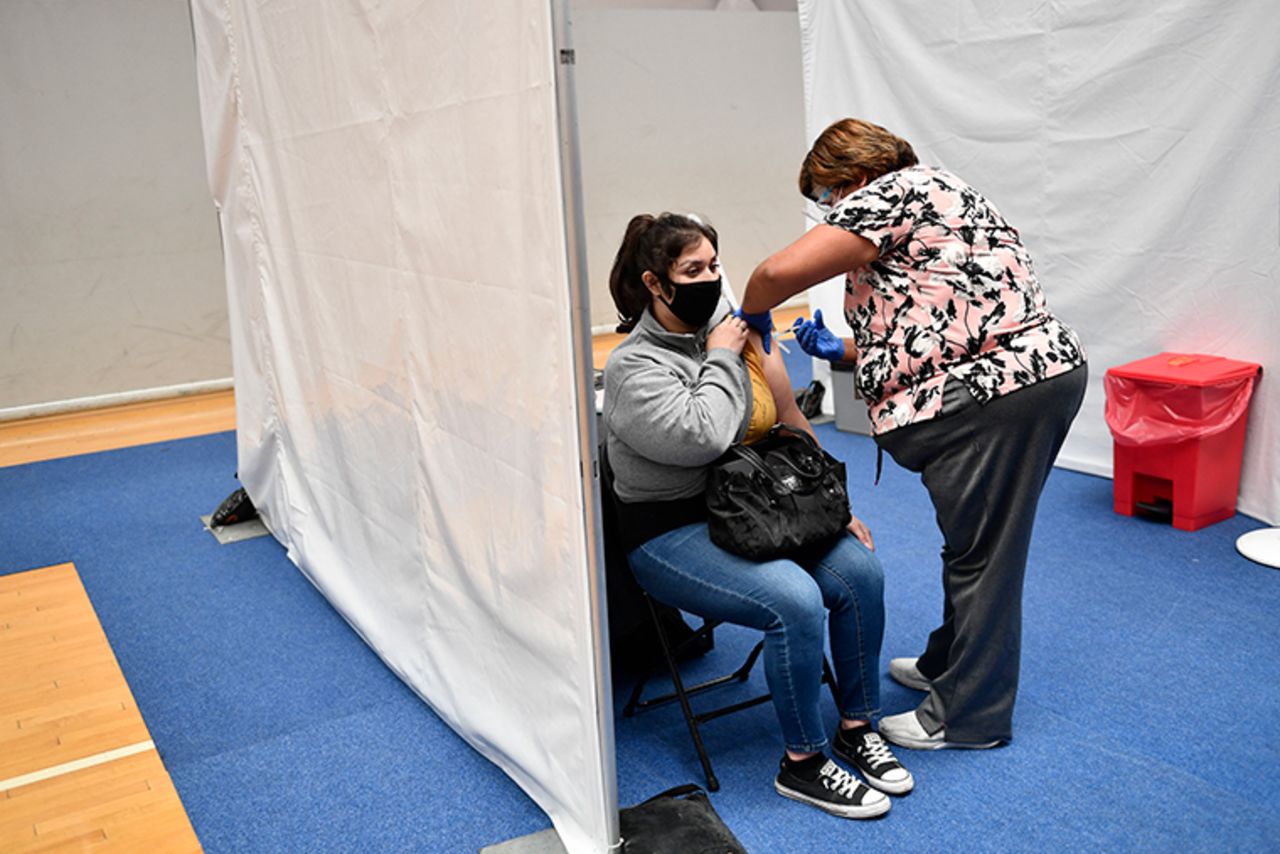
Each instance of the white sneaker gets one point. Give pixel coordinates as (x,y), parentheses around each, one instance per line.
(905,730)
(906,672)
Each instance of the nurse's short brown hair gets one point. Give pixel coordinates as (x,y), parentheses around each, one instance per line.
(851,151)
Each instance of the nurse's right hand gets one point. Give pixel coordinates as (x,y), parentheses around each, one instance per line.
(731,334)
(817,340)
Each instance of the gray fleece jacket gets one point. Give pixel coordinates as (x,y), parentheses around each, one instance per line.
(671,409)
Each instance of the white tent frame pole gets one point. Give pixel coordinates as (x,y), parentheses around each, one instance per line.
(580,325)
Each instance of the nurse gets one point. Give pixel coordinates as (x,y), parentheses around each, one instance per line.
(970,381)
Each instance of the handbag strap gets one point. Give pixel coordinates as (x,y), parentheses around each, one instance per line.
(798,433)
(676,792)
(752,456)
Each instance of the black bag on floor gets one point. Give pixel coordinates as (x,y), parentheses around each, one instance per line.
(234,509)
(809,399)
(677,821)
(776,497)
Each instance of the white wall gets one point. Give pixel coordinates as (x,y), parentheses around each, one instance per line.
(682,111)
(110,263)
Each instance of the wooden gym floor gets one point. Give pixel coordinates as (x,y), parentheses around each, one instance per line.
(78,770)
(54,436)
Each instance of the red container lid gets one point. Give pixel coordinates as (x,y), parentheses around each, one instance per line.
(1191,369)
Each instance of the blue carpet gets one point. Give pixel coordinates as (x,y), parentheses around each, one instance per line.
(1149,716)
(281,730)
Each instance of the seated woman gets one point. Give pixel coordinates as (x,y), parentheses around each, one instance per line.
(686,383)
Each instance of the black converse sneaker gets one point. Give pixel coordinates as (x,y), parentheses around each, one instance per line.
(865,750)
(832,789)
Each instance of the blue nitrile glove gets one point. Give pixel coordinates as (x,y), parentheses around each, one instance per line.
(761,322)
(817,340)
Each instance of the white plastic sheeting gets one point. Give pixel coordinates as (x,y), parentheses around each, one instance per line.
(1134,145)
(403,331)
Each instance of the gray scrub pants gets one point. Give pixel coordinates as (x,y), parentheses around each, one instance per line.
(984,467)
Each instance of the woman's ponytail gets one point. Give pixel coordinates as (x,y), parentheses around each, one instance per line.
(626,286)
(653,244)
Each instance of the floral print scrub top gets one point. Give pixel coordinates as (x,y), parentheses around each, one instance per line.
(952,294)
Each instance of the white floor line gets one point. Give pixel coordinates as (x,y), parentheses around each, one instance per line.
(76,765)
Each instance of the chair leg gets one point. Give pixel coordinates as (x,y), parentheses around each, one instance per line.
(635,703)
(713,784)
(744,672)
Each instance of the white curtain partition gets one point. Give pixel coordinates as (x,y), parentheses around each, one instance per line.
(404,332)
(1134,145)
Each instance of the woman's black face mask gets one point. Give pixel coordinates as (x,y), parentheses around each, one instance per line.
(693,302)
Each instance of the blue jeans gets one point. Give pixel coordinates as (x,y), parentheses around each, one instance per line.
(787,600)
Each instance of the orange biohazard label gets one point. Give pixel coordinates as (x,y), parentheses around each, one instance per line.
(1179,361)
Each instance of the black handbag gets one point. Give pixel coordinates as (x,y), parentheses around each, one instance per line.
(777,496)
(677,821)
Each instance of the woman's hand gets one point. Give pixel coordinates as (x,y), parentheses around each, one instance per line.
(862,532)
(731,334)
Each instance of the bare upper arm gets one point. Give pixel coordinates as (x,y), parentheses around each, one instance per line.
(775,373)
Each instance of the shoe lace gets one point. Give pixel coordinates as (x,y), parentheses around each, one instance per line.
(838,780)
(875,751)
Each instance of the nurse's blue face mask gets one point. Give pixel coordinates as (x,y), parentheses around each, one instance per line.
(826,201)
